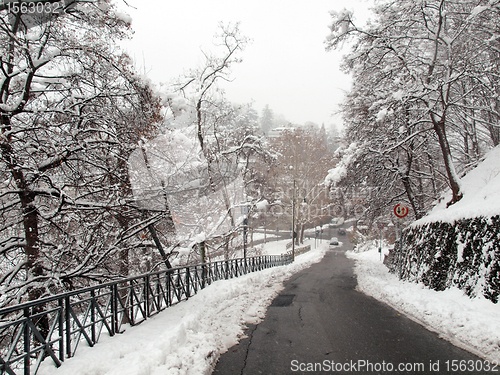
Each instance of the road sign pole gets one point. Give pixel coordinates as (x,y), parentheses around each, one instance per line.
(380,227)
(400,211)
(400,247)
(380,247)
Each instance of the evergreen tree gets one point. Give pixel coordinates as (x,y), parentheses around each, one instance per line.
(267,120)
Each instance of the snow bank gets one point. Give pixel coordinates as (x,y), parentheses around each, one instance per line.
(472,324)
(480,188)
(189,337)
(458,246)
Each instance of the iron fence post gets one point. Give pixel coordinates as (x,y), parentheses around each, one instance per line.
(27,343)
(92,315)
(146,296)
(168,280)
(131,303)
(177,285)
(158,292)
(114,306)
(60,318)
(187,283)
(196,279)
(68,326)
(203,276)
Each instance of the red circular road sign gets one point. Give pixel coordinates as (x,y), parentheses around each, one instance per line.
(400,210)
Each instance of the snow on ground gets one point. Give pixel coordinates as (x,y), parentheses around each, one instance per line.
(275,247)
(269,236)
(188,337)
(480,188)
(472,324)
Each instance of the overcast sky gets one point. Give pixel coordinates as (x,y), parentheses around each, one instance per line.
(285,65)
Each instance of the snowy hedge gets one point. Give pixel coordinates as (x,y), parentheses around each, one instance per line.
(465,254)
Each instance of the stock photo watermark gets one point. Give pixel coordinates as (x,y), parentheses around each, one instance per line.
(366,366)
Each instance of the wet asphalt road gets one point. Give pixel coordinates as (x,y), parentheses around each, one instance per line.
(320,324)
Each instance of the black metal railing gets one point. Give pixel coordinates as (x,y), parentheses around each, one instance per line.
(55,326)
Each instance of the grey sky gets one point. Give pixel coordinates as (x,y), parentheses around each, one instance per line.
(285,66)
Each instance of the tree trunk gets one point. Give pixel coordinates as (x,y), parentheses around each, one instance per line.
(494,129)
(34,267)
(31,249)
(439,128)
(29,211)
(411,197)
(407,183)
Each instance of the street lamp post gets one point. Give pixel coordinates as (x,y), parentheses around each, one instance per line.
(321,231)
(244,212)
(245,224)
(265,231)
(294,234)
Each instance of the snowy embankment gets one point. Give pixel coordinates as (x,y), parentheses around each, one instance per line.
(480,188)
(188,337)
(472,324)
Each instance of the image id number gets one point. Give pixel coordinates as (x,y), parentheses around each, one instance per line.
(33,7)
(471,365)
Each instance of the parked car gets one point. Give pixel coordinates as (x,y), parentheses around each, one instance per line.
(342,231)
(335,223)
(334,242)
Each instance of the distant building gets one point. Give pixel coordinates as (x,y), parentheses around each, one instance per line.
(277,132)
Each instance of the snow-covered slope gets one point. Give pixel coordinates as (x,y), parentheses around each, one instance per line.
(481,190)
(458,246)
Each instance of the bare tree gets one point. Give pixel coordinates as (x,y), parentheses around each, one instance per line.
(426,50)
(71,110)
(226,148)
(297,173)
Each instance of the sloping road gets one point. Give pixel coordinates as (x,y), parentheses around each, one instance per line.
(320,324)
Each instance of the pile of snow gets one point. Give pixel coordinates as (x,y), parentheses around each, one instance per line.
(189,337)
(480,188)
(472,324)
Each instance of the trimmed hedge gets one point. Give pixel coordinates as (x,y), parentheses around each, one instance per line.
(465,254)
